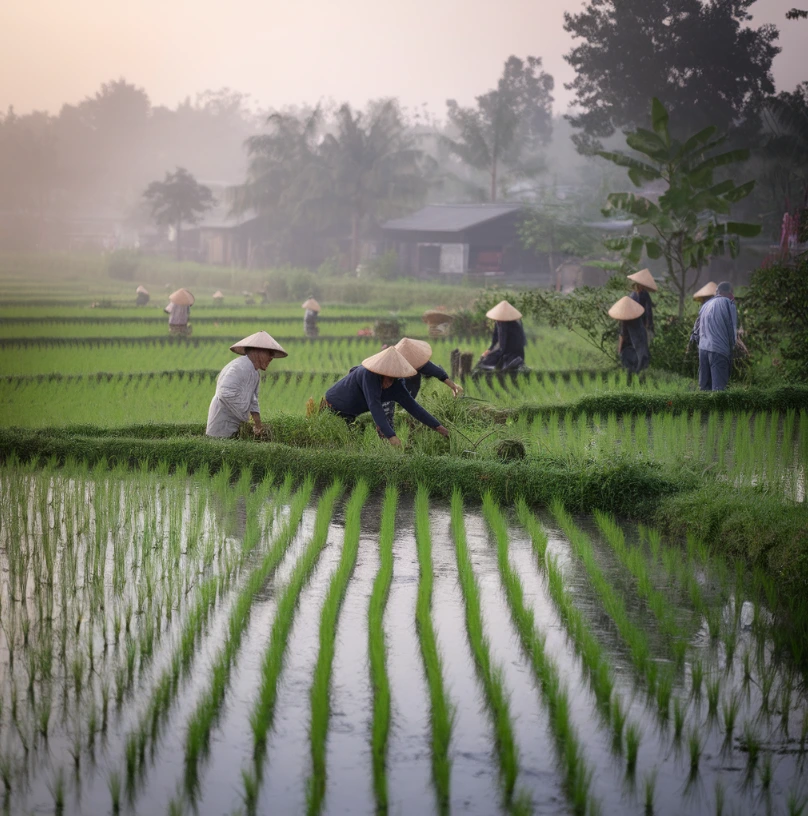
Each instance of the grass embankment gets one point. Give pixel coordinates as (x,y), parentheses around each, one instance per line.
(618,487)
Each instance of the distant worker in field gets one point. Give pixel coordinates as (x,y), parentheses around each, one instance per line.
(310,316)
(418,353)
(716,333)
(507,349)
(218,298)
(179,311)
(642,284)
(702,296)
(142,296)
(236,397)
(378,379)
(632,344)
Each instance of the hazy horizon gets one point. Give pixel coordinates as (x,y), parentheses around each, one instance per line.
(285,55)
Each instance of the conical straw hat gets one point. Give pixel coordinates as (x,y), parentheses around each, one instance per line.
(626,309)
(389,363)
(260,340)
(435,318)
(706,291)
(644,278)
(415,352)
(182,297)
(218,294)
(142,290)
(312,304)
(503,312)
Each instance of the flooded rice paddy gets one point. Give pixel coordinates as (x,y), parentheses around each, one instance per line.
(176,644)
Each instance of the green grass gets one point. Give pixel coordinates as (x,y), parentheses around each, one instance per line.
(489,674)
(377,650)
(320,691)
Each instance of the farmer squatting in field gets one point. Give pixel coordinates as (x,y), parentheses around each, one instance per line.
(236,397)
(366,386)
(179,310)
(507,349)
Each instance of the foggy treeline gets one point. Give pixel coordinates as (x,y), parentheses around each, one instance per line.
(321,178)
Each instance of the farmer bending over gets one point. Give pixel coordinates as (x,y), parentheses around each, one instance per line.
(366,386)
(236,397)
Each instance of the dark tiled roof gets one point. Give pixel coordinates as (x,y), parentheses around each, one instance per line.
(450,217)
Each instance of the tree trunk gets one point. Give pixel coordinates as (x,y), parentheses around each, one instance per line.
(494,181)
(179,240)
(354,241)
(682,301)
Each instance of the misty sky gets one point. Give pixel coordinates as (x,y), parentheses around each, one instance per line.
(423,51)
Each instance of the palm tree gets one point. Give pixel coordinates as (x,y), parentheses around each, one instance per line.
(178,199)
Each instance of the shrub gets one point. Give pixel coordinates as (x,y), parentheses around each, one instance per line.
(122,264)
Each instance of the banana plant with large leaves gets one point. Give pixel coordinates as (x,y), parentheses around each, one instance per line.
(690,221)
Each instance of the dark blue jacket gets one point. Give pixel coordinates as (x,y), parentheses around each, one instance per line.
(508,339)
(644,299)
(361,390)
(429,369)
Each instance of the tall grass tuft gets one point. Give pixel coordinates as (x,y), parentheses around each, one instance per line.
(320,692)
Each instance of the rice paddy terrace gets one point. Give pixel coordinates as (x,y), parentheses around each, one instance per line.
(319,624)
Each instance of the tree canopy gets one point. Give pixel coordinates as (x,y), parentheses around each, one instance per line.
(702,58)
(503,133)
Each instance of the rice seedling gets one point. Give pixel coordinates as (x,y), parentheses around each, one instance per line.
(379,679)
(320,692)
(490,675)
(751,744)
(263,711)
(649,791)
(206,712)
(678,720)
(720,798)
(713,686)
(632,747)
(803,732)
(730,709)
(696,679)
(766,772)
(695,748)
(441,713)
(251,785)
(795,803)
(114,784)
(57,788)
(577,772)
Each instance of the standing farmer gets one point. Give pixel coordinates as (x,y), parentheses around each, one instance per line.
(702,296)
(632,345)
(642,284)
(716,332)
(236,397)
(179,310)
(310,316)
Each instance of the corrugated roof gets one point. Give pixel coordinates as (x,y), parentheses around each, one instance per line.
(450,217)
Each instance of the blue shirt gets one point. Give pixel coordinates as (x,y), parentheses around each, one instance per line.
(716,327)
(428,369)
(361,390)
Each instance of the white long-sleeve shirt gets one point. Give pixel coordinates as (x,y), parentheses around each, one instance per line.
(235,399)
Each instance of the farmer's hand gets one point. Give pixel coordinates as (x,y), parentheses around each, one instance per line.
(456,389)
(395,441)
(442,431)
(257,428)
(485,353)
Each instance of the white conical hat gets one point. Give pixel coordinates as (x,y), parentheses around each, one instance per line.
(142,290)
(218,294)
(312,304)
(644,278)
(415,352)
(182,297)
(435,317)
(389,363)
(706,291)
(260,340)
(626,309)
(503,312)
